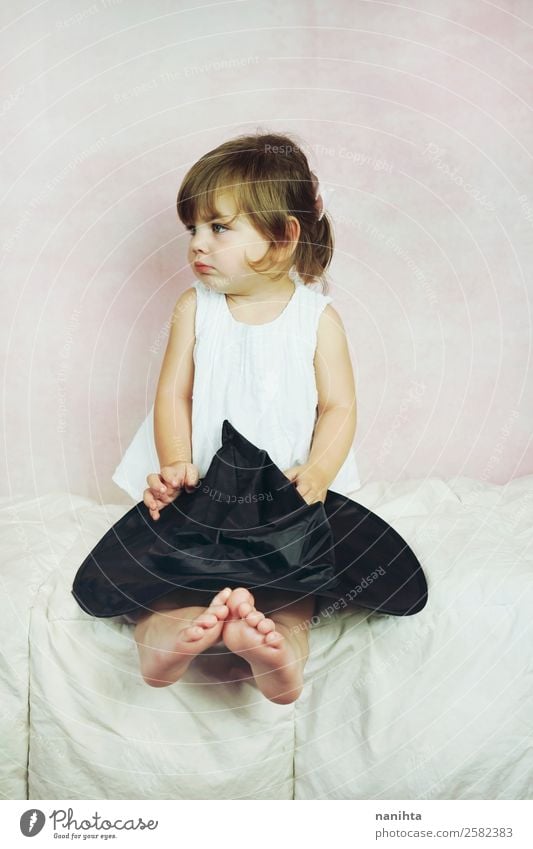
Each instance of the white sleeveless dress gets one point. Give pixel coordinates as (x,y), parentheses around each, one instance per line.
(260,377)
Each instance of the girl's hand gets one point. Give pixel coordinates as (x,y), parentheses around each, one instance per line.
(164,488)
(310,481)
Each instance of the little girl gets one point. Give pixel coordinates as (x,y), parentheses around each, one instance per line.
(254,348)
(249,344)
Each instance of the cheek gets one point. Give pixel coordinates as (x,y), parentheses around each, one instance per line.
(255,249)
(232,251)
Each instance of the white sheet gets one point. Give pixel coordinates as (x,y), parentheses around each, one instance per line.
(35,533)
(437,705)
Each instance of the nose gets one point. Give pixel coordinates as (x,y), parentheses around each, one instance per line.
(199,240)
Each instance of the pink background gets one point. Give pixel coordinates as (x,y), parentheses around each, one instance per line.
(420,118)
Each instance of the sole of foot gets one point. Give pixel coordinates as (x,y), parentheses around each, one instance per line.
(273,653)
(167,645)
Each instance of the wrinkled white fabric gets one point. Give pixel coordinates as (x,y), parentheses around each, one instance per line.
(432,706)
(260,377)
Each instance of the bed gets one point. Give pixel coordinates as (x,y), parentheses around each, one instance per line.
(438,705)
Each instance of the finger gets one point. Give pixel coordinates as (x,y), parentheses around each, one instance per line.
(191,478)
(163,500)
(154,501)
(173,478)
(157,493)
(170,493)
(163,491)
(152,508)
(170,478)
(155,483)
(148,498)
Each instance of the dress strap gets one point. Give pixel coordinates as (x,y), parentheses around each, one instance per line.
(202,305)
(312,304)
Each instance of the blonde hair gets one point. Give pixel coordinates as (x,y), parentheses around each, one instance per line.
(269,178)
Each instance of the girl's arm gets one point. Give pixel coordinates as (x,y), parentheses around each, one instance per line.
(337,408)
(173,400)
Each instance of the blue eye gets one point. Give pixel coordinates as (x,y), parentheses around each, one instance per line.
(191,227)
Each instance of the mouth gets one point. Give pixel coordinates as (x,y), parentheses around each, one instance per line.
(200,266)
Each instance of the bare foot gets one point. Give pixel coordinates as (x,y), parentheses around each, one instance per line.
(167,644)
(276,654)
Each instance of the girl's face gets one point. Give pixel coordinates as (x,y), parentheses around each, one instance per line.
(224,245)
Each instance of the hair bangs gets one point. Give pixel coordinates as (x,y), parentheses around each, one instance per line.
(201,189)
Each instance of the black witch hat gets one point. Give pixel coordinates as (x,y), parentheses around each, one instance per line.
(245,524)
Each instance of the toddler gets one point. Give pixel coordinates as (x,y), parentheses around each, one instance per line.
(252,342)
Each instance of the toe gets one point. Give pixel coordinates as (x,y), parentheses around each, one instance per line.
(245,592)
(222,596)
(255,617)
(244,609)
(220,610)
(240,595)
(265,626)
(238,598)
(274,638)
(206,620)
(193,633)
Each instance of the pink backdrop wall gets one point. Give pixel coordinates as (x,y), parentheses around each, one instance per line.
(420,118)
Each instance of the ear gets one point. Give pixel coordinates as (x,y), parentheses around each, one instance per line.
(293,229)
(286,250)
